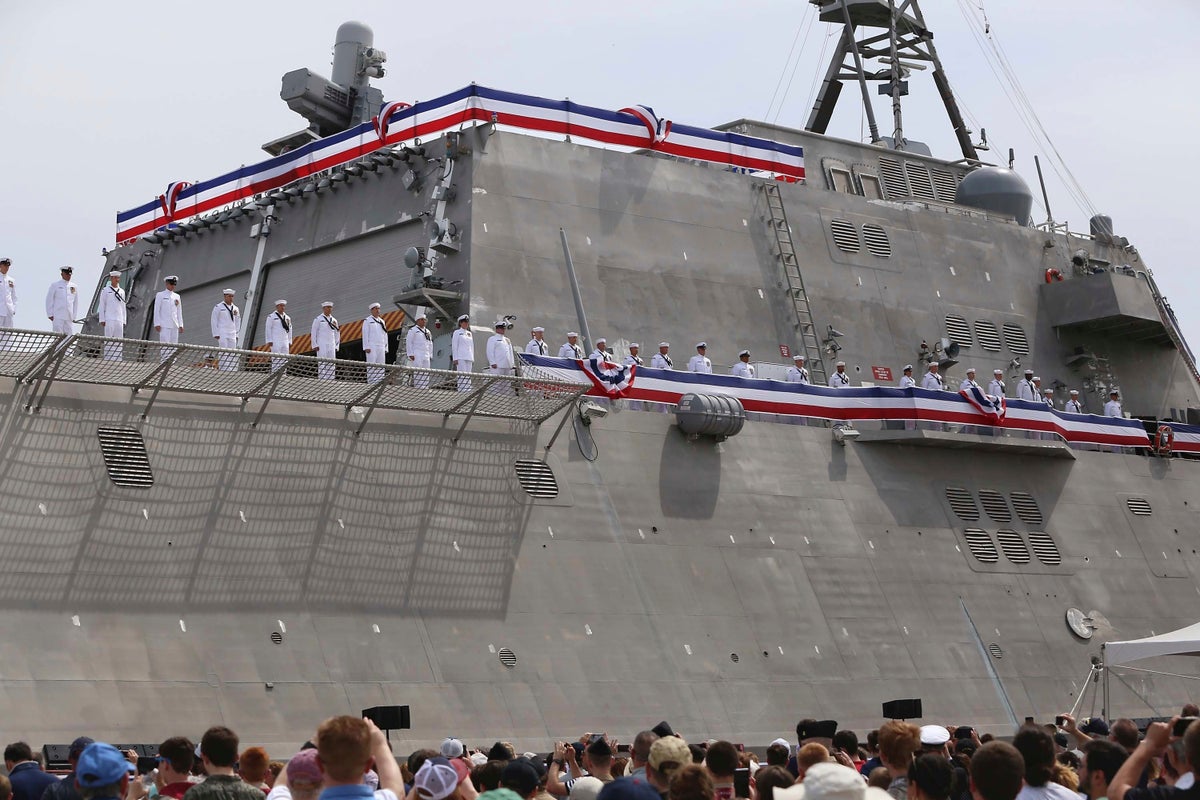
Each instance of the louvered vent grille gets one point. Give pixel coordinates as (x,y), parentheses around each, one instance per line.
(995,651)
(507,657)
(989,337)
(1013,546)
(1139,506)
(536,477)
(957,330)
(918,179)
(125,457)
(845,235)
(877,241)
(995,505)
(980,545)
(1014,337)
(1044,548)
(944,185)
(1027,509)
(894,183)
(962,503)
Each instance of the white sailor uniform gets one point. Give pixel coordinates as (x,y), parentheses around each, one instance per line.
(996,388)
(419,346)
(168,320)
(462,353)
(62,302)
(112,313)
(375,346)
(742,370)
(661,361)
(225,320)
(569,350)
(8,300)
(839,380)
(797,374)
(700,364)
(279,337)
(326,335)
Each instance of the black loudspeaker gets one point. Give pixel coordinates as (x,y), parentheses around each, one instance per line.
(389,718)
(903,709)
(56,756)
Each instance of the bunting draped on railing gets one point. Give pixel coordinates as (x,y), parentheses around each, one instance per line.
(874,403)
(398,123)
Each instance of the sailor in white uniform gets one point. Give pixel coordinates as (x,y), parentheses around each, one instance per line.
(699,362)
(419,346)
(571,349)
(1037,389)
(797,372)
(997,388)
(633,359)
(743,369)
(168,316)
(839,379)
(1113,407)
(279,334)
(931,380)
(906,380)
(969,381)
(662,359)
(601,351)
(112,314)
(1025,388)
(225,320)
(537,345)
(62,303)
(375,343)
(501,359)
(462,352)
(1048,397)
(326,335)
(8,294)
(1073,405)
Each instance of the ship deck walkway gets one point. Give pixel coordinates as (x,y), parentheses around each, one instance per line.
(40,359)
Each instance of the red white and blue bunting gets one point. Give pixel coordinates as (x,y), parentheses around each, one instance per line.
(992,407)
(399,123)
(873,403)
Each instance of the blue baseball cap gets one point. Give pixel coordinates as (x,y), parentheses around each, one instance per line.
(100,765)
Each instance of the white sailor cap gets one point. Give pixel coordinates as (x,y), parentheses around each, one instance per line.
(464,318)
(1036,379)
(970,370)
(907,368)
(799,357)
(1047,390)
(701,344)
(840,364)
(933,365)
(934,735)
(1114,391)
(743,353)
(1074,391)
(373,305)
(571,334)
(116,273)
(500,324)
(634,346)
(997,372)
(539,329)
(1028,372)
(664,344)
(228,291)
(171,279)
(600,339)
(281,302)
(326,303)
(420,315)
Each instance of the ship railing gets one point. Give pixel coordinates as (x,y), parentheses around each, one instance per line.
(40,359)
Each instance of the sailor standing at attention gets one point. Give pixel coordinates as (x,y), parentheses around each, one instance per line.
(419,346)
(1025,387)
(1048,397)
(906,380)
(1113,407)
(633,359)
(8,295)
(743,369)
(501,360)
(226,317)
(462,351)
(662,359)
(601,351)
(797,372)
(168,316)
(62,301)
(839,379)
(326,335)
(1073,405)
(537,345)
(571,349)
(997,388)
(969,381)
(932,380)
(699,362)
(375,343)
(112,315)
(279,334)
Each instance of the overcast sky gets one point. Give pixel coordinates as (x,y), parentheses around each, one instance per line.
(102,105)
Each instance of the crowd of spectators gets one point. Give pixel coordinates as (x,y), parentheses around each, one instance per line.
(350,759)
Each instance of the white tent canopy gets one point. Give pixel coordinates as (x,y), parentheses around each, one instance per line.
(1183,642)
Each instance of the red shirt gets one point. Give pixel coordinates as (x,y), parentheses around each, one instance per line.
(176,790)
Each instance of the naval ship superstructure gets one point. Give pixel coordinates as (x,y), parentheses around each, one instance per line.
(183,545)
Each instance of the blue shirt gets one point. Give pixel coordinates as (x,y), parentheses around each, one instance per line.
(359,791)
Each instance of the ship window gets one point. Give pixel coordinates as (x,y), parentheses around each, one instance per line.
(989,337)
(957,330)
(962,503)
(1027,509)
(1014,337)
(125,457)
(944,185)
(918,179)
(845,235)
(1013,546)
(995,505)
(871,188)
(841,181)
(980,545)
(877,240)
(895,185)
(536,477)
(1044,548)
(1139,506)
